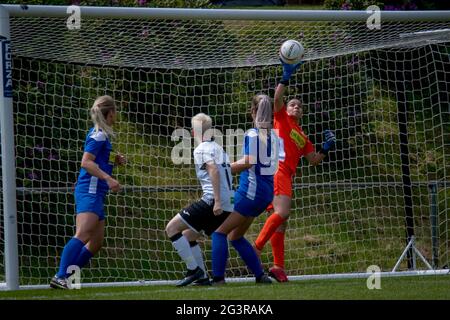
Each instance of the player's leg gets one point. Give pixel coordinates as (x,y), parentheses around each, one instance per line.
(282,206)
(277,242)
(174,230)
(94,245)
(192,237)
(246,250)
(96,233)
(85,224)
(220,245)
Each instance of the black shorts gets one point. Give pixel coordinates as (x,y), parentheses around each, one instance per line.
(200,217)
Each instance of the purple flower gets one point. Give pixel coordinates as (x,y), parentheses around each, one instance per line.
(346,6)
(354,61)
(335,35)
(145,33)
(141,2)
(40,85)
(410,6)
(106,54)
(318,105)
(251,59)
(333,62)
(33,176)
(39,148)
(52,156)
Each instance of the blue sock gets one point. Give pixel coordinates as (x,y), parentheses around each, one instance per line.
(249,256)
(69,256)
(84,257)
(219,254)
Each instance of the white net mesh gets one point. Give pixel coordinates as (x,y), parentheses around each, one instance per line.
(348,213)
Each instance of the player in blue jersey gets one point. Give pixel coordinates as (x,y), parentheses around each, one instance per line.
(254,194)
(94,182)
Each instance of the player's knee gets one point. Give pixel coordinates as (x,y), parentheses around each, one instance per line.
(284,213)
(235,235)
(95,246)
(169,229)
(190,235)
(172,228)
(83,235)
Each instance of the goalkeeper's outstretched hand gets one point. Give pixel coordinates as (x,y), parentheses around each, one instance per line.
(330,141)
(289,69)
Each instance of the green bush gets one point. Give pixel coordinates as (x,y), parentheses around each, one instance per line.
(350,4)
(391,5)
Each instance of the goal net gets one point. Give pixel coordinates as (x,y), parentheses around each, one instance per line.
(348,213)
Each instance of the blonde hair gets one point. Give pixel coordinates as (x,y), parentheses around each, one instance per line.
(262,105)
(99,111)
(201,119)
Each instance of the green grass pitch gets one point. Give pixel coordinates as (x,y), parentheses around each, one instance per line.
(396,288)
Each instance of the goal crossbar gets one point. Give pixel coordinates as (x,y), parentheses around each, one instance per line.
(225,14)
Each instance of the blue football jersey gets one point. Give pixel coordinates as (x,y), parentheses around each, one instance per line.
(257,181)
(98,144)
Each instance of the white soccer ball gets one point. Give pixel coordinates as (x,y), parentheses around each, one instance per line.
(291,52)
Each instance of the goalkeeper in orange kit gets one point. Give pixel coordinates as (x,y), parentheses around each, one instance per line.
(293,145)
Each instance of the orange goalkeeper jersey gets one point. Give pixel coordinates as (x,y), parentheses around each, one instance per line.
(293,141)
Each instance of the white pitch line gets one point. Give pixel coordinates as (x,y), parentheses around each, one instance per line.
(112,294)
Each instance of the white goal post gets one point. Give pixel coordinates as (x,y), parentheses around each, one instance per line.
(380,199)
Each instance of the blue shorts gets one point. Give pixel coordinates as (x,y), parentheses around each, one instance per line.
(88,202)
(250,208)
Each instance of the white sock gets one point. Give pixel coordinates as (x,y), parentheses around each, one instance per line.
(198,255)
(185,252)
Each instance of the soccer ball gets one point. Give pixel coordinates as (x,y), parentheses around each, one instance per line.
(291,52)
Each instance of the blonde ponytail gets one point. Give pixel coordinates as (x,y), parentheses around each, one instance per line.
(262,108)
(263,119)
(99,111)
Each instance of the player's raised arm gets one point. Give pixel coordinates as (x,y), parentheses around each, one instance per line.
(288,70)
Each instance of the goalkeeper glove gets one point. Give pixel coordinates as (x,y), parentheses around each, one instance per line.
(330,141)
(288,70)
